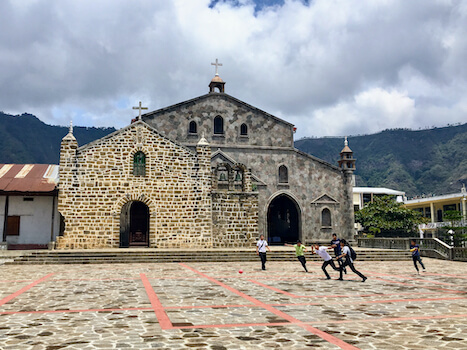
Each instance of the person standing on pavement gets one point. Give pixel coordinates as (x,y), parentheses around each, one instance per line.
(415,249)
(321,251)
(300,249)
(261,246)
(336,244)
(346,254)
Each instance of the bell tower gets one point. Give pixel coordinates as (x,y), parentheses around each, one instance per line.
(347,161)
(216,82)
(347,164)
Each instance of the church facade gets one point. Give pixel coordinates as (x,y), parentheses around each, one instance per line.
(212,171)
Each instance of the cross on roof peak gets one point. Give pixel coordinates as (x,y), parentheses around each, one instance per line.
(217,64)
(140,108)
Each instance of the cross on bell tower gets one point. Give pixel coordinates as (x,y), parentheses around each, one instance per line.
(216,82)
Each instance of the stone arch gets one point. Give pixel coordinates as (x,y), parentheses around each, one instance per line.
(243,130)
(218,125)
(283,218)
(122,203)
(283,174)
(133,152)
(134,225)
(193,127)
(326,217)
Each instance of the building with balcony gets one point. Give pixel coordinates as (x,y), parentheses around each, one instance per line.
(434,208)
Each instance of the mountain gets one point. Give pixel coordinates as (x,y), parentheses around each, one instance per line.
(432,161)
(25,139)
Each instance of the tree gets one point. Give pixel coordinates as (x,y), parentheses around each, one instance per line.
(455,232)
(385,214)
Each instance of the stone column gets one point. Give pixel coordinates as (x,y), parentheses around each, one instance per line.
(204,214)
(67,173)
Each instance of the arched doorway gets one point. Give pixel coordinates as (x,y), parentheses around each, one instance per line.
(283,220)
(134,225)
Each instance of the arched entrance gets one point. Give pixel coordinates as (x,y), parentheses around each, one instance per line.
(283,220)
(134,225)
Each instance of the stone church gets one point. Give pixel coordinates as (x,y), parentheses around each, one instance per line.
(212,171)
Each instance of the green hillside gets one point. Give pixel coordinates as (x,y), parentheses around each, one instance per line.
(426,161)
(430,161)
(25,139)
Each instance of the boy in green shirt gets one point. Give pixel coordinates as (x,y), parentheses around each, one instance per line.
(299,251)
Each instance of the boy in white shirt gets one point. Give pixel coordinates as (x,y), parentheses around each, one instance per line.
(261,246)
(348,261)
(321,251)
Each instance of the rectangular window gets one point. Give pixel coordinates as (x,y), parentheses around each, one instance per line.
(12,226)
(28,199)
(449,207)
(428,212)
(366,198)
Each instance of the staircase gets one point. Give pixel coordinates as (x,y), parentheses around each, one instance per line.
(145,255)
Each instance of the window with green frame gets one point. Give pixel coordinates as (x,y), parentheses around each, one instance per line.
(139,164)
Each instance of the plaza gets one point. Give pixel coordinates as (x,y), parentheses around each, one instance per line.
(213,306)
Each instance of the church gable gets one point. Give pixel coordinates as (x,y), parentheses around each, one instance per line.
(224,120)
(324,199)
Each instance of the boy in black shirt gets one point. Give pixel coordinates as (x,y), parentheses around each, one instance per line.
(336,244)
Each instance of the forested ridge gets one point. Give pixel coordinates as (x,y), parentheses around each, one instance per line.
(432,161)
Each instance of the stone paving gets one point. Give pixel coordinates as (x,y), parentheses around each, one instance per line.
(213,306)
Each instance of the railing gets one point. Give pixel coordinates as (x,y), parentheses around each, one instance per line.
(435,225)
(432,247)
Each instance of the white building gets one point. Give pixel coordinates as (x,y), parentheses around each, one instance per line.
(434,208)
(364,195)
(29,218)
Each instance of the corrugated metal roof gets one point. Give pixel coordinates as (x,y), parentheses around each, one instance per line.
(28,177)
(378,190)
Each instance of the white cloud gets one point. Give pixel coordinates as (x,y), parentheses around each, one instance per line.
(331,67)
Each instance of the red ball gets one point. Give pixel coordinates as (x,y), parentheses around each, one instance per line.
(240,271)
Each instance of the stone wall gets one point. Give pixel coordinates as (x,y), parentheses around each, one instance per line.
(269,145)
(264,130)
(97,180)
(308,179)
(235,219)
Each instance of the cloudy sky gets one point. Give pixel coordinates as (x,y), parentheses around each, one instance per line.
(331,67)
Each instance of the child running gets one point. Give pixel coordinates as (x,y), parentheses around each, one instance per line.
(261,246)
(415,249)
(299,251)
(348,261)
(321,251)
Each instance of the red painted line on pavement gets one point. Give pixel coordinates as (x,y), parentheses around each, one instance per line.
(162,317)
(274,289)
(385,301)
(94,279)
(326,336)
(24,289)
(389,319)
(414,285)
(443,274)
(338,295)
(410,278)
(226,306)
(74,311)
(207,306)
(233,325)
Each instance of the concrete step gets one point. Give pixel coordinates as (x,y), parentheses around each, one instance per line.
(165,256)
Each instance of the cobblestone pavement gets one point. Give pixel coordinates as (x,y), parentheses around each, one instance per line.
(213,306)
